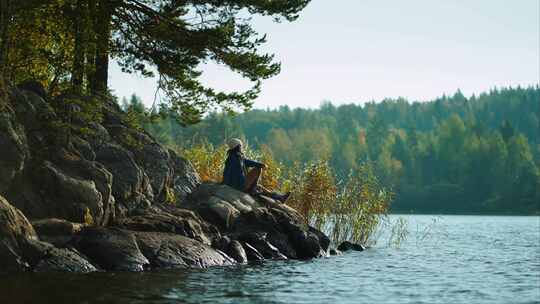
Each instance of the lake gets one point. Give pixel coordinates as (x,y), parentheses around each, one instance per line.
(445,259)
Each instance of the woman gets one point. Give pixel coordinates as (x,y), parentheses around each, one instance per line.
(236,175)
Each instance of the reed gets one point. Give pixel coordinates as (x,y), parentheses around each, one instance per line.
(351,210)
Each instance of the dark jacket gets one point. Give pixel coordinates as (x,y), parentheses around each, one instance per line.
(235,171)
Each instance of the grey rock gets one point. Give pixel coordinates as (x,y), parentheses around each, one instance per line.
(252,254)
(68,196)
(13,150)
(63,260)
(111,249)
(185,179)
(58,232)
(302,242)
(240,214)
(143,206)
(259,242)
(68,187)
(166,218)
(20,249)
(84,148)
(15,231)
(241,201)
(237,252)
(166,250)
(98,135)
(219,204)
(128,178)
(154,159)
(346,246)
(96,172)
(334,251)
(232,248)
(282,243)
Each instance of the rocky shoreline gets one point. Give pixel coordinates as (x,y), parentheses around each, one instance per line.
(114,199)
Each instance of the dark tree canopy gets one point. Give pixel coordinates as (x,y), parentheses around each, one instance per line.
(168,39)
(174,37)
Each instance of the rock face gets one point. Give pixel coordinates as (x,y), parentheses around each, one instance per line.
(167,250)
(20,249)
(273,229)
(14,150)
(93,176)
(15,231)
(103,195)
(111,249)
(170,219)
(58,232)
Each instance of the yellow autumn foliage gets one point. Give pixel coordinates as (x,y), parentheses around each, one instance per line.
(352,210)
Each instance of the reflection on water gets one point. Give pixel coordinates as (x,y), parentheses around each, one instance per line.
(468,259)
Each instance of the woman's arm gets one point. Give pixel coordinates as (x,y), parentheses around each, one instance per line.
(251,163)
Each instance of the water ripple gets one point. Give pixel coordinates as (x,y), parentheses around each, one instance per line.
(473,259)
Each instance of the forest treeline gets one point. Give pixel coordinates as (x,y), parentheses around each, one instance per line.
(451,155)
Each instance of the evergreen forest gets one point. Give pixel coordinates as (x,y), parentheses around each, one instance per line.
(449,155)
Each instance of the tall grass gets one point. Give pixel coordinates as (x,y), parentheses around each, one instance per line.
(351,210)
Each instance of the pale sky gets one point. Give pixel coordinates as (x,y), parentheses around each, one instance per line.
(360,50)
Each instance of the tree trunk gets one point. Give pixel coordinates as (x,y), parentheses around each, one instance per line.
(78,58)
(103,35)
(4,24)
(90,68)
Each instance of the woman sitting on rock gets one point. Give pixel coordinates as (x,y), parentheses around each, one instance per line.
(236,175)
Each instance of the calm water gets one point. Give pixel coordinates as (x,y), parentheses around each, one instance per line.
(456,259)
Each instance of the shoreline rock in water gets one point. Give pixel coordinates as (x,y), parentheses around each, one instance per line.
(115,199)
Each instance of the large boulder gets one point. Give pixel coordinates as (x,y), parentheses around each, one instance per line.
(130,184)
(67,187)
(15,232)
(219,204)
(118,249)
(111,249)
(232,248)
(154,159)
(107,158)
(13,150)
(167,218)
(63,260)
(252,254)
(20,249)
(185,179)
(58,232)
(260,242)
(44,257)
(236,251)
(83,147)
(70,197)
(280,230)
(166,250)
(346,246)
(36,115)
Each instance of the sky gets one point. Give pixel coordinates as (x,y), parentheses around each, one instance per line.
(354,51)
